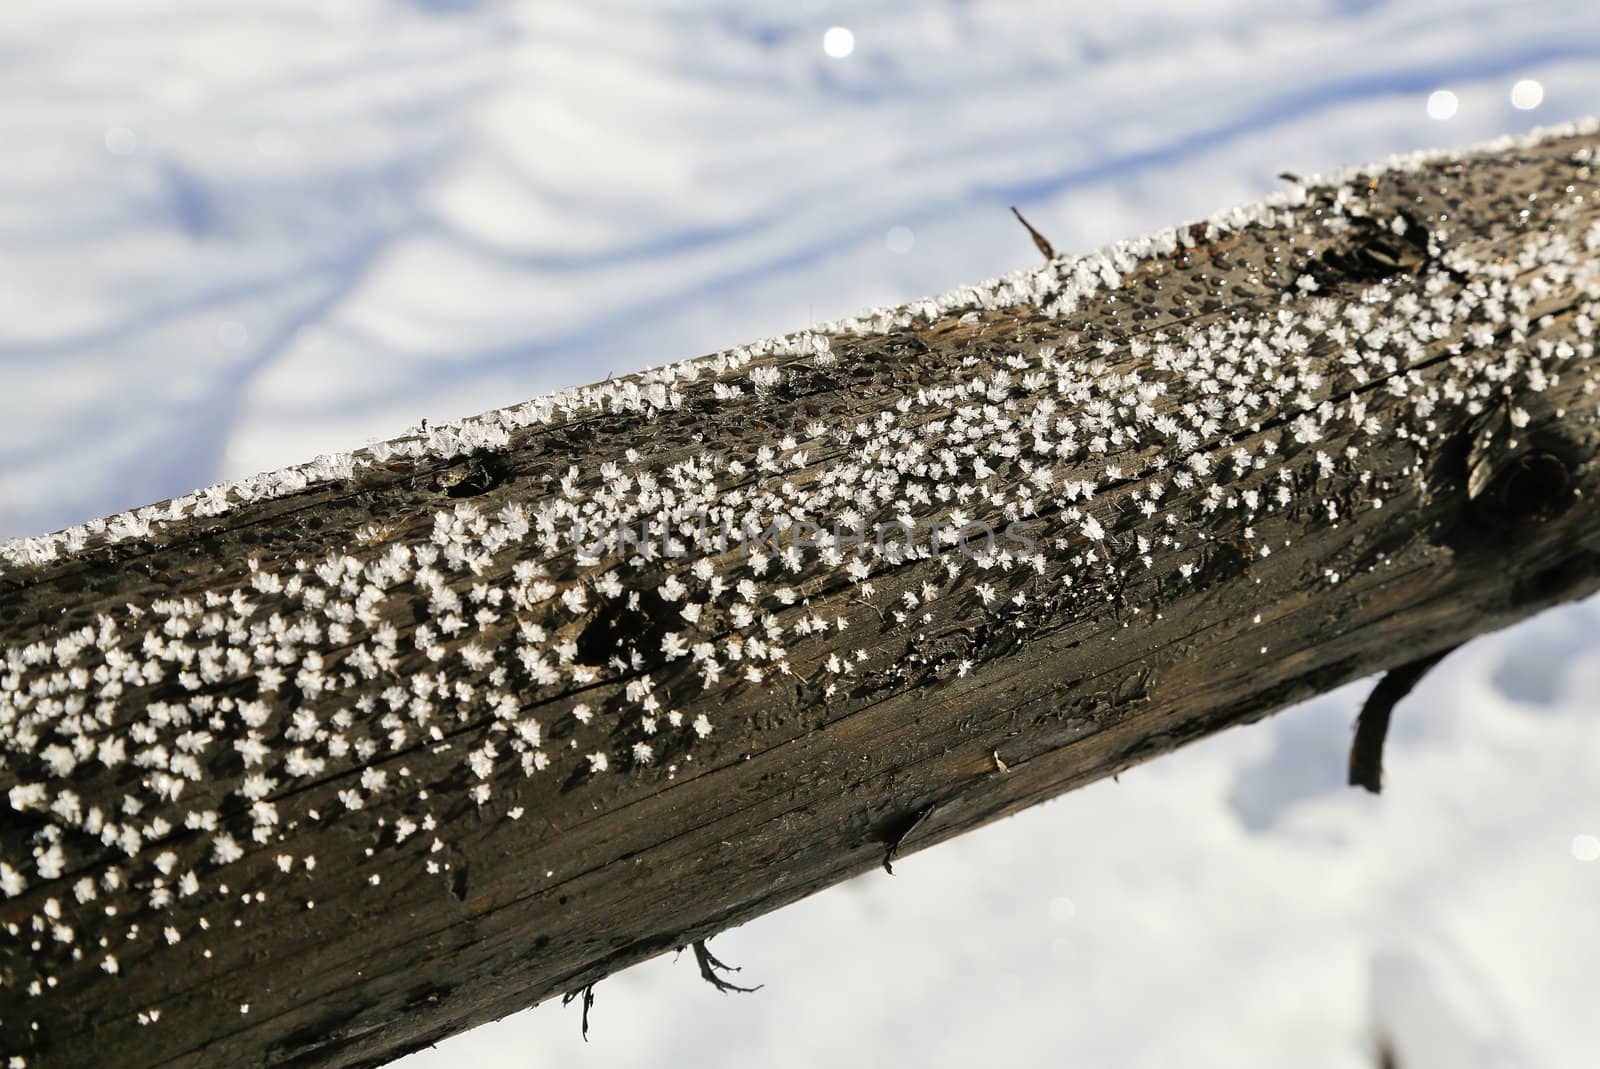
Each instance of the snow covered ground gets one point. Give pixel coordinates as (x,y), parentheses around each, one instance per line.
(235,235)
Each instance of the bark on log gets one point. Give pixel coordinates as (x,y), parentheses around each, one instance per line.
(326,766)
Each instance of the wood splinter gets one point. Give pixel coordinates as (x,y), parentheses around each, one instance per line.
(1040,242)
(709,964)
(586,992)
(1372,725)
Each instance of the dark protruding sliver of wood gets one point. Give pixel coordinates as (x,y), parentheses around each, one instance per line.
(1372,726)
(586,993)
(1040,242)
(710,964)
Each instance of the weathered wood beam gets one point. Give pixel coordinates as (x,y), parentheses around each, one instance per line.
(325,766)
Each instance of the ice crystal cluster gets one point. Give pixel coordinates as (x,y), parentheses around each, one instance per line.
(165,760)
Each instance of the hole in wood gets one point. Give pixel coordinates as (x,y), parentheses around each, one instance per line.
(618,632)
(477,476)
(1535,486)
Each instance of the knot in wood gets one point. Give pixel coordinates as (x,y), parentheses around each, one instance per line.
(1534,486)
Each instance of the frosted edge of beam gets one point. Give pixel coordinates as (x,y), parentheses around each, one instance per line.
(1070,280)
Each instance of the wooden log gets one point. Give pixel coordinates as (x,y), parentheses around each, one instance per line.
(322,767)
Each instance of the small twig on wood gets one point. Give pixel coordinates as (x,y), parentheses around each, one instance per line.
(899,840)
(1039,240)
(709,964)
(586,992)
(1372,725)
